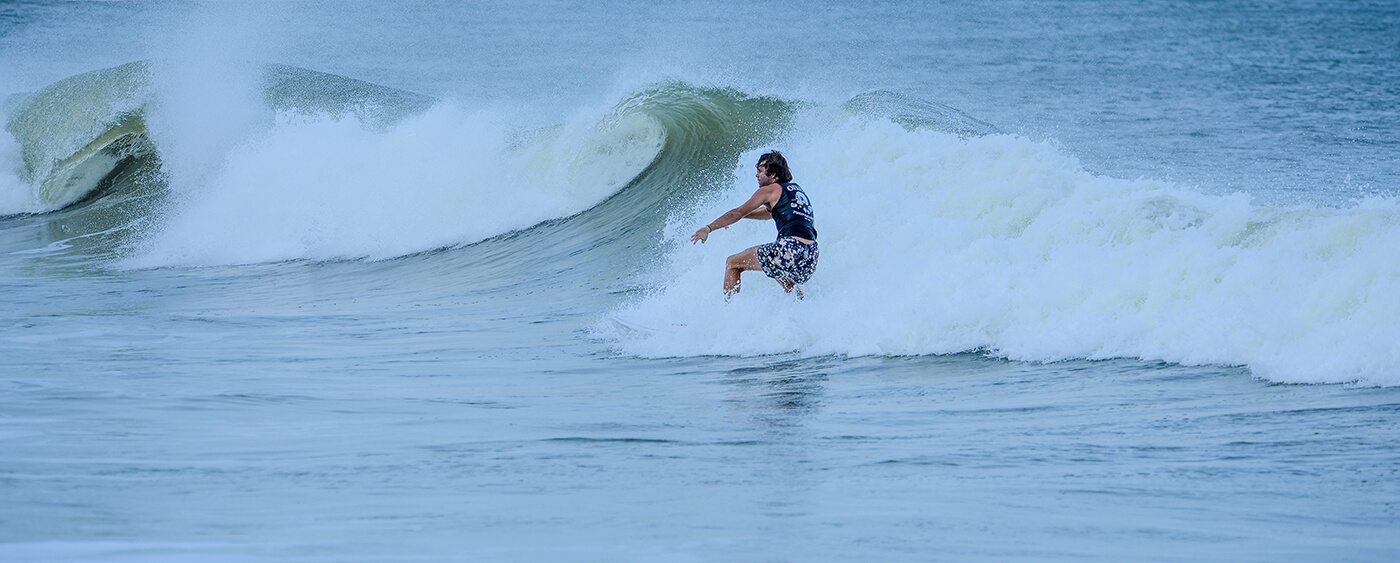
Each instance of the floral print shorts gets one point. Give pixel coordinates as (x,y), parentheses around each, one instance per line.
(788,259)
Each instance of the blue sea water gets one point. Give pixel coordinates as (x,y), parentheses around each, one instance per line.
(342,281)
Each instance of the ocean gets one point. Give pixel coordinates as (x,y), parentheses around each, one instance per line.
(412,281)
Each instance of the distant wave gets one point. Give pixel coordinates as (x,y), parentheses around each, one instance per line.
(74,133)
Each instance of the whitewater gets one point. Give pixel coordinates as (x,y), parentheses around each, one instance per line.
(322,282)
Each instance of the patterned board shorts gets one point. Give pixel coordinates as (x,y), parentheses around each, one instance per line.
(788,259)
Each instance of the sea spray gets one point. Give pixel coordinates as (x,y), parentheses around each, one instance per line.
(202,111)
(935,244)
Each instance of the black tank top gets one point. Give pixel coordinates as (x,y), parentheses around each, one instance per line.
(793,213)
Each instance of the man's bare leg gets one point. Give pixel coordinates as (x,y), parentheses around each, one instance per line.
(737,264)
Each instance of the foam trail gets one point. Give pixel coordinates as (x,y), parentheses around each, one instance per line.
(934,244)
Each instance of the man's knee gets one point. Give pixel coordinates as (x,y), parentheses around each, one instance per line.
(744,261)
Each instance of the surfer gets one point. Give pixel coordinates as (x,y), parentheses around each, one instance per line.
(792,258)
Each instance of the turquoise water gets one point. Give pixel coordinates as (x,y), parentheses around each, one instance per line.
(334,281)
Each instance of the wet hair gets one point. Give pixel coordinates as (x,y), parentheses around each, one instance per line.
(776,165)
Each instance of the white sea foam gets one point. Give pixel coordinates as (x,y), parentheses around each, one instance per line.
(317,187)
(16,196)
(933,244)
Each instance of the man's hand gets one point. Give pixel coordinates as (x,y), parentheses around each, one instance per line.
(700,235)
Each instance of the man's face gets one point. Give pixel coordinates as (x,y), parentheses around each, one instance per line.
(763,177)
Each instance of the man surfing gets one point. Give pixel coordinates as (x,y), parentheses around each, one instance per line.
(792,258)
